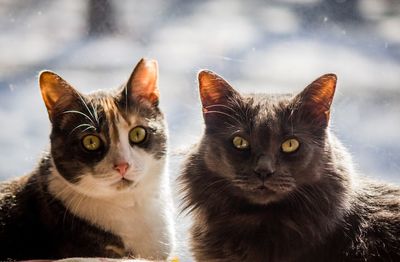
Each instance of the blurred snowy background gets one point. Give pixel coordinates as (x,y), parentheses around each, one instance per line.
(262,46)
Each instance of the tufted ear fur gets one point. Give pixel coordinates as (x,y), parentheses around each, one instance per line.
(53,88)
(214,90)
(314,102)
(143,82)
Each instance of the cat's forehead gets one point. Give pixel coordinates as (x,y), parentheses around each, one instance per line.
(116,108)
(108,106)
(103,110)
(266,114)
(269,100)
(267,106)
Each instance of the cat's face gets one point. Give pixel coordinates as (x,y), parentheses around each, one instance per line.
(107,142)
(265,146)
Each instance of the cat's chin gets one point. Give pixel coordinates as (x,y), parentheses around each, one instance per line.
(100,187)
(123,184)
(263,196)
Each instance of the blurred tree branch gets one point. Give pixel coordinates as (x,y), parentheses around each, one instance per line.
(101,18)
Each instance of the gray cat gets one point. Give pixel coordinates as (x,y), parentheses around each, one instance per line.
(269,182)
(102,190)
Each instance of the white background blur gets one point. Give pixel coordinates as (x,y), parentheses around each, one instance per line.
(258,46)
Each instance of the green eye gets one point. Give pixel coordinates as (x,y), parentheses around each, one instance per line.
(137,135)
(91,142)
(240,143)
(290,145)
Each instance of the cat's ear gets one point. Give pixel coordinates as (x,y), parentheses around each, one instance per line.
(214,90)
(315,100)
(53,87)
(143,82)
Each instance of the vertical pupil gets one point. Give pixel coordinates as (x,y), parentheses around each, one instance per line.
(290,143)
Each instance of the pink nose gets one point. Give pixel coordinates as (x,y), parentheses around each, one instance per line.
(121,168)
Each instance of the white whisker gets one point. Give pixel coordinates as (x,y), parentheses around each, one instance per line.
(80,113)
(85,104)
(96,116)
(222,113)
(83,125)
(89,127)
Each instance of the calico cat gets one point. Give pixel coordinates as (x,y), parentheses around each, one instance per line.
(102,190)
(270,182)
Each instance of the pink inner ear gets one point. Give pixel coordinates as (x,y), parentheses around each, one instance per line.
(213,89)
(324,90)
(317,97)
(145,84)
(144,81)
(152,97)
(53,89)
(211,95)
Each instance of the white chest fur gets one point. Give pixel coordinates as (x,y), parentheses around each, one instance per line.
(143,220)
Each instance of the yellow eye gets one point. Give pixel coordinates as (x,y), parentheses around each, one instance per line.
(290,145)
(91,142)
(137,135)
(240,143)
